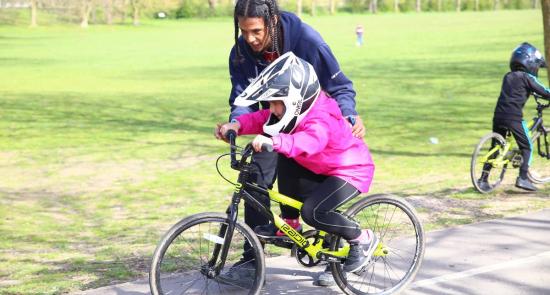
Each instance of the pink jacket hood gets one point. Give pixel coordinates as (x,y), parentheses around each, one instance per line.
(322,142)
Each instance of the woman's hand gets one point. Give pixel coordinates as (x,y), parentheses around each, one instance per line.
(221,130)
(358,129)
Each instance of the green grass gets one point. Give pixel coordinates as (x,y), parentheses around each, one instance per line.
(105,133)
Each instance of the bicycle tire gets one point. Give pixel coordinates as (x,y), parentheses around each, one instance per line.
(403,229)
(496,174)
(539,168)
(179,261)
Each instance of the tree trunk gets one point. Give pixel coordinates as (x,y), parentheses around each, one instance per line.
(439,5)
(123,5)
(458,5)
(418,5)
(332,6)
(34,11)
(373,6)
(135,12)
(109,12)
(546,26)
(477,5)
(85,10)
(496,4)
(299,8)
(212,4)
(313,7)
(396,5)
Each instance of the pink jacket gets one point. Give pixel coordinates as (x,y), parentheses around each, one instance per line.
(322,142)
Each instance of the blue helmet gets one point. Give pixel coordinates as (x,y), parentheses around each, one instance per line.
(527,58)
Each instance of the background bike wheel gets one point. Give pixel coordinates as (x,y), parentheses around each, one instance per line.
(185,250)
(399,254)
(480,157)
(539,170)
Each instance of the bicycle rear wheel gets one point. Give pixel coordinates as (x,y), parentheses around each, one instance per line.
(183,259)
(482,162)
(399,254)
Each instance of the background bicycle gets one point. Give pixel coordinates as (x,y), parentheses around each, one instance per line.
(502,153)
(198,254)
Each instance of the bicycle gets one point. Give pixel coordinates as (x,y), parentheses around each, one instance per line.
(501,152)
(195,253)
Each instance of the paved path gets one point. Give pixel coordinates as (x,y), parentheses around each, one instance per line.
(504,256)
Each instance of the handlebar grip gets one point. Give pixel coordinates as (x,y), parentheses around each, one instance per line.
(231,135)
(267,147)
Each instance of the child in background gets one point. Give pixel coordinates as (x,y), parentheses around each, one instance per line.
(305,125)
(359,32)
(517,85)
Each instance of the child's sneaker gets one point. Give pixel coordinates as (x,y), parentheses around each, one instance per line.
(526,184)
(360,251)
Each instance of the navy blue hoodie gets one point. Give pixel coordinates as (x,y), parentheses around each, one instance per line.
(305,43)
(515,90)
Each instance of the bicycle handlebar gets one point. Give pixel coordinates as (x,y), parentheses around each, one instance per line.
(538,99)
(231,135)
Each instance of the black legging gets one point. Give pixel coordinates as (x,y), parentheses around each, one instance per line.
(520,132)
(321,196)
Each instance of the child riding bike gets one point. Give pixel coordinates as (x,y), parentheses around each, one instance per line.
(517,85)
(306,126)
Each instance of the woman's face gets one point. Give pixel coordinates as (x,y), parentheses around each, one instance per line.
(277,108)
(254,31)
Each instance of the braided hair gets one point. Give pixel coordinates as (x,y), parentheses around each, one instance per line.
(266,9)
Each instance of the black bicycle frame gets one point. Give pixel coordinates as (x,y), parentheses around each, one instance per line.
(241,192)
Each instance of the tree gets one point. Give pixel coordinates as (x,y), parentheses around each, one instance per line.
(212,4)
(546,26)
(85,9)
(299,8)
(313,7)
(373,6)
(396,5)
(418,5)
(34,8)
(136,5)
(458,5)
(332,6)
(108,11)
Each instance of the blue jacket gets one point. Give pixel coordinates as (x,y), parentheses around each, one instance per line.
(307,44)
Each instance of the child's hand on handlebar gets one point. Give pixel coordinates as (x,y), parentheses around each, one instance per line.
(260,140)
(221,130)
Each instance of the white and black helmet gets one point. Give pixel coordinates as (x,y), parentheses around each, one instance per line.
(289,79)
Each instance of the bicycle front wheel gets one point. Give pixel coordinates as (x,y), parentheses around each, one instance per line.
(539,168)
(400,251)
(485,163)
(184,259)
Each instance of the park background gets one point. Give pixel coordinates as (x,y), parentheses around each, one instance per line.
(106,131)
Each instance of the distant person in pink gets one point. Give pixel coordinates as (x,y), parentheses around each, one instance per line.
(305,125)
(359,32)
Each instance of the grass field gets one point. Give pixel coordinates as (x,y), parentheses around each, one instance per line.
(105,133)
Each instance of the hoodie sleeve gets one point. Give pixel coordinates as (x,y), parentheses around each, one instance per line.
(310,140)
(333,80)
(537,87)
(252,123)
(238,85)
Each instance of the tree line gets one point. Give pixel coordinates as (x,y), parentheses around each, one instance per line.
(86,12)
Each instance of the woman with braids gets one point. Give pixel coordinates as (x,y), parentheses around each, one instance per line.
(265,34)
